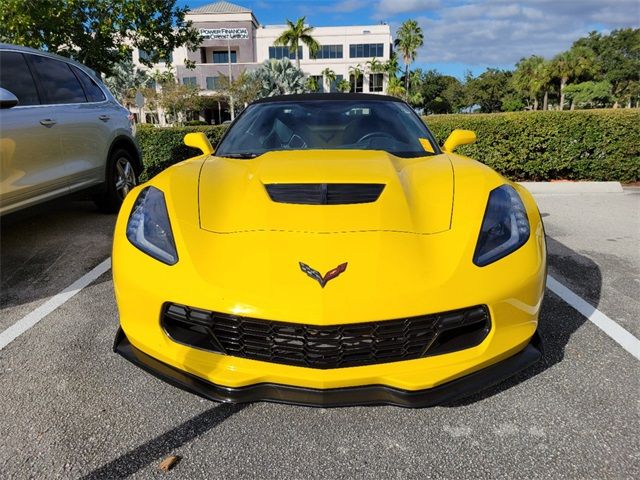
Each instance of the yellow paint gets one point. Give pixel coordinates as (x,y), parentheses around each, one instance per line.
(457,138)
(410,253)
(426,144)
(200,141)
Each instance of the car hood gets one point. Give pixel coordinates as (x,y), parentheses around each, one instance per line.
(417,196)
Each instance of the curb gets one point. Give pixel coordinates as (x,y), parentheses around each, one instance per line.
(572,187)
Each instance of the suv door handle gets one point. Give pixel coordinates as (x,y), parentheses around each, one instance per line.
(47,122)
(104,118)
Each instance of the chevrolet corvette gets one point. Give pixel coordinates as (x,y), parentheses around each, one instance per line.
(329,253)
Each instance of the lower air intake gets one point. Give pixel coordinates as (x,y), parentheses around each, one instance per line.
(331,346)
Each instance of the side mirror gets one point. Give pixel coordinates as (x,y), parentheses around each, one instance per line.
(200,141)
(7,99)
(458,137)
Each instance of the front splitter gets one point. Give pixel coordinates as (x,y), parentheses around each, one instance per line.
(334,397)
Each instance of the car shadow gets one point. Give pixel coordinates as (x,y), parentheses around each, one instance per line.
(45,248)
(574,270)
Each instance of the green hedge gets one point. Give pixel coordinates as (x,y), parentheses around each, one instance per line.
(162,147)
(575,145)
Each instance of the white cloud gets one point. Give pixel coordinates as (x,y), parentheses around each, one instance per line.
(394,7)
(498,32)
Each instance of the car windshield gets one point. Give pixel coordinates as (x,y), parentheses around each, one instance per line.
(327,125)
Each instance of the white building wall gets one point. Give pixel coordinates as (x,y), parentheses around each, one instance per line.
(345,36)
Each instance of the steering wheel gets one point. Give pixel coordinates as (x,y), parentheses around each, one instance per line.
(371,135)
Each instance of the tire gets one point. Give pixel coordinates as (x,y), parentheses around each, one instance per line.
(121,178)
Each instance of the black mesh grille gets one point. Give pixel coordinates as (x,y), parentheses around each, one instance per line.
(324,193)
(324,347)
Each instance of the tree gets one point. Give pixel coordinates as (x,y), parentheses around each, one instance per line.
(98,33)
(126,80)
(571,65)
(343,86)
(375,66)
(617,56)
(391,66)
(278,77)
(355,72)
(330,76)
(524,79)
(312,85)
(590,94)
(441,93)
(409,39)
(295,34)
(488,90)
(242,90)
(395,88)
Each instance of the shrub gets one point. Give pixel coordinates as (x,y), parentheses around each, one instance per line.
(162,146)
(575,145)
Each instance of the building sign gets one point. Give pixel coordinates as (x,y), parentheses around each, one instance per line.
(223,33)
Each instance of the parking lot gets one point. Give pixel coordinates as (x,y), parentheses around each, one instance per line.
(73,409)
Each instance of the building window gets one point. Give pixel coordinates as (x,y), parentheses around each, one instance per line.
(356,85)
(333,87)
(375,82)
(143,56)
(330,51)
(223,57)
(366,50)
(213,83)
(190,81)
(283,52)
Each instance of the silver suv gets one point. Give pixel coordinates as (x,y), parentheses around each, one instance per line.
(61,131)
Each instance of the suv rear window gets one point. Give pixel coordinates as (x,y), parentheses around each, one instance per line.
(57,81)
(15,76)
(91,89)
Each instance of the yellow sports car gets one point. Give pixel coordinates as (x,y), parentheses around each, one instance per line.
(330,253)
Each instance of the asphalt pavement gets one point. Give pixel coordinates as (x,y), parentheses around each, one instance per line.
(73,409)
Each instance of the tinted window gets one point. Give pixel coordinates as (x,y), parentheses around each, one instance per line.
(91,88)
(16,77)
(57,80)
(327,125)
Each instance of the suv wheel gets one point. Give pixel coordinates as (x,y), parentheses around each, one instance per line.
(121,178)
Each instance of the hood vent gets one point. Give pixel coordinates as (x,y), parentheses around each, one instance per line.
(324,193)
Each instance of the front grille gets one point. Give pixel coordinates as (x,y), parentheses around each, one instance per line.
(333,346)
(324,193)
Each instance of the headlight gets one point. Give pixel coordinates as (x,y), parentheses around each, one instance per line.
(505,226)
(149,228)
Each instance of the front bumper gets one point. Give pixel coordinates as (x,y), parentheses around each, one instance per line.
(334,397)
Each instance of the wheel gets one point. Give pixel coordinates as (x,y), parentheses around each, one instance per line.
(121,178)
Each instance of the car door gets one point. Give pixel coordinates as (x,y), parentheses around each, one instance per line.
(82,125)
(31,167)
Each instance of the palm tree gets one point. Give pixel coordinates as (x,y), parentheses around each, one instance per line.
(295,34)
(343,86)
(395,88)
(312,84)
(328,75)
(375,66)
(525,78)
(279,77)
(391,66)
(570,65)
(409,39)
(355,71)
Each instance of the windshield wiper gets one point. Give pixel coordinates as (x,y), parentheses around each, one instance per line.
(239,155)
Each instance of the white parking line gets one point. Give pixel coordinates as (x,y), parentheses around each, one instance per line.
(32,318)
(625,339)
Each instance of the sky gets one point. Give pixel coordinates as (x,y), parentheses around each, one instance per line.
(463,35)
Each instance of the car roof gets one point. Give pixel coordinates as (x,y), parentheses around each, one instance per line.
(20,48)
(303,97)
